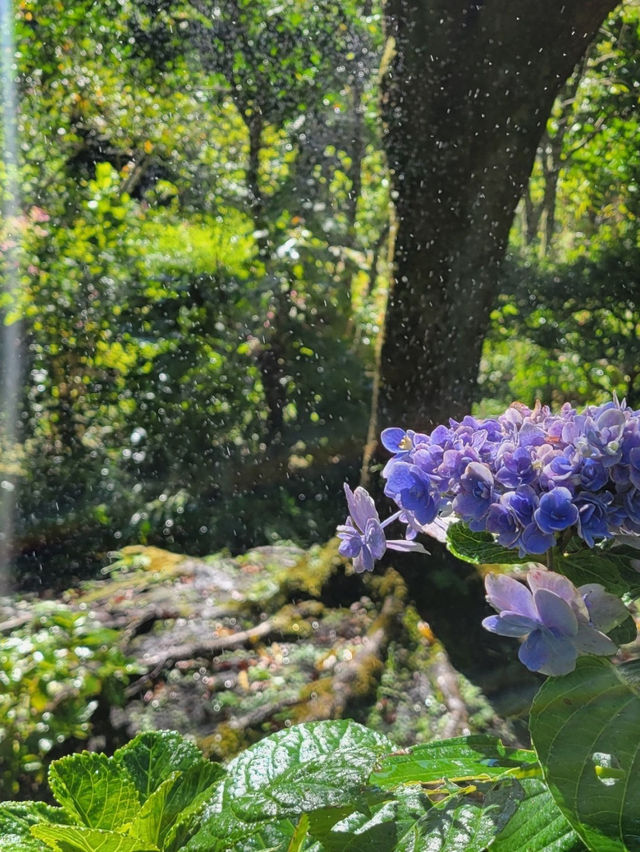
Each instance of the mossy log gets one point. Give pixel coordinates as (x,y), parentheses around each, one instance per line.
(234,648)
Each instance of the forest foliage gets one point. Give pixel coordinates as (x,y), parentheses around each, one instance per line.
(200,261)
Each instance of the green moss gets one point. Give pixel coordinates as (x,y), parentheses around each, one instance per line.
(314,569)
(225,742)
(316,701)
(384,585)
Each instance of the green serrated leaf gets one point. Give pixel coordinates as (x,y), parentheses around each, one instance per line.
(476,757)
(303,768)
(16,818)
(216,836)
(355,831)
(147,826)
(294,771)
(464,821)
(585,728)
(94,790)
(610,568)
(151,757)
(480,548)
(79,839)
(171,799)
(188,822)
(537,824)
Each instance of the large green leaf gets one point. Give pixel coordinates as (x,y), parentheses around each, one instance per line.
(171,799)
(342,829)
(610,567)
(76,839)
(409,822)
(586,731)
(16,818)
(220,836)
(294,771)
(480,548)
(537,824)
(94,790)
(303,768)
(188,822)
(151,757)
(474,757)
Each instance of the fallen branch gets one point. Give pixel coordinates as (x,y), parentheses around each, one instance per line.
(12,624)
(261,714)
(132,627)
(208,648)
(330,698)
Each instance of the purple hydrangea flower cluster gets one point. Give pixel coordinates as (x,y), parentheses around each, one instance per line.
(526,476)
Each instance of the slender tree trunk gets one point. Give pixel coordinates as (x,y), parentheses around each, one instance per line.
(552,165)
(552,159)
(466,96)
(357,154)
(255,126)
(532,214)
(270,354)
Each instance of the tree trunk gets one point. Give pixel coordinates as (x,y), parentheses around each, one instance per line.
(467,90)
(552,159)
(532,215)
(466,96)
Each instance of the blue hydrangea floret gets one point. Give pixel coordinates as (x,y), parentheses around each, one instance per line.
(557,621)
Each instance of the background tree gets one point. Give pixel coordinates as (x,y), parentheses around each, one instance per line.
(580,322)
(467,91)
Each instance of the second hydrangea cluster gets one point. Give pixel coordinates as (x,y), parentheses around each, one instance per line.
(525,476)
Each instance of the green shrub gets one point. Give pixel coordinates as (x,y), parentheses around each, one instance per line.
(56,672)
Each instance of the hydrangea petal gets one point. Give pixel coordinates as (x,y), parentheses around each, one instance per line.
(505,593)
(555,613)
(542,652)
(364,561)
(592,641)
(510,624)
(405,546)
(605,610)
(393,438)
(361,506)
(374,538)
(542,578)
(350,547)
(400,478)
(534,541)
(438,528)
(556,511)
